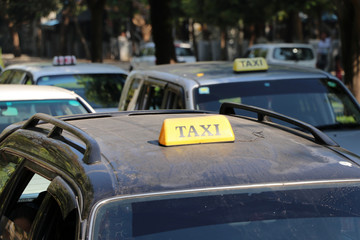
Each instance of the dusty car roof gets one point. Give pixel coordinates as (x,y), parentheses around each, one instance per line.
(47,69)
(14,92)
(128,159)
(260,154)
(204,73)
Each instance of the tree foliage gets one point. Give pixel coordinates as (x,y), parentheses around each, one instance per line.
(17,12)
(20,11)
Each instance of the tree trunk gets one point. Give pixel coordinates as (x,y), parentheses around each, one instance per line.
(162,31)
(356,81)
(14,36)
(16,41)
(63,33)
(298,29)
(97,8)
(193,36)
(356,48)
(350,43)
(223,44)
(82,38)
(294,28)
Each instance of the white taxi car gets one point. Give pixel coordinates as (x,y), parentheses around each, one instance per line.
(20,102)
(284,53)
(146,58)
(98,83)
(308,94)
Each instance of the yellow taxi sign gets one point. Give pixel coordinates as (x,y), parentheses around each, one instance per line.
(193,130)
(250,64)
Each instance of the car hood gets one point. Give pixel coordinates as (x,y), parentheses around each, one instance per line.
(348,139)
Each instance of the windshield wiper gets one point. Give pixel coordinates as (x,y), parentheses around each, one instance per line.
(339,126)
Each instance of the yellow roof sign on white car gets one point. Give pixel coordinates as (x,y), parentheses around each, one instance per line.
(250,64)
(183,131)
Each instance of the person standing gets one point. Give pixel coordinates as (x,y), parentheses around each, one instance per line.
(323,51)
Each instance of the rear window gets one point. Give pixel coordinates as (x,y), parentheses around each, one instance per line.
(183,51)
(16,111)
(256,52)
(293,54)
(318,212)
(147,52)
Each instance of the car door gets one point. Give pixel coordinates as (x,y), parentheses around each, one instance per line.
(35,202)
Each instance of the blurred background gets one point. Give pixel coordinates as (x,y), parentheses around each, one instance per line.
(116,30)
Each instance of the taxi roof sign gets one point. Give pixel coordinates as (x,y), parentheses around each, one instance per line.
(194,130)
(250,64)
(64,60)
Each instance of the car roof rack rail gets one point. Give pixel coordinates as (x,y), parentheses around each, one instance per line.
(320,137)
(92,151)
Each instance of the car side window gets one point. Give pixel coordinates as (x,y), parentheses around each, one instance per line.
(33,206)
(16,78)
(22,196)
(151,97)
(173,98)
(155,95)
(257,52)
(28,79)
(8,166)
(51,225)
(5,76)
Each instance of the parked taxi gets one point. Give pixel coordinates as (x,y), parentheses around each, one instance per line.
(307,94)
(99,84)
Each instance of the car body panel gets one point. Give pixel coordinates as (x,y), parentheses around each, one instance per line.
(348,138)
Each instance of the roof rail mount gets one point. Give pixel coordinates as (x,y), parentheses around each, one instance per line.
(92,151)
(320,137)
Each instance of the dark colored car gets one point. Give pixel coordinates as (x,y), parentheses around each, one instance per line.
(175,174)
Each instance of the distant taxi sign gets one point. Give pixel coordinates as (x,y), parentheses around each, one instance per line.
(250,64)
(182,131)
(64,60)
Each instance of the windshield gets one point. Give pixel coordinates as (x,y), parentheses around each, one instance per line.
(99,90)
(314,213)
(180,51)
(293,54)
(319,102)
(17,111)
